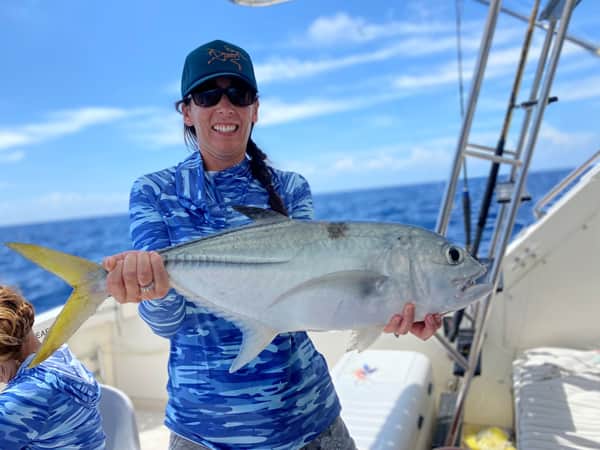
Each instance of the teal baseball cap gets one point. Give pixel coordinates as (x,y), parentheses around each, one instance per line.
(215,59)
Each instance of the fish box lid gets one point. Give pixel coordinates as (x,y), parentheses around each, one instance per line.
(386,397)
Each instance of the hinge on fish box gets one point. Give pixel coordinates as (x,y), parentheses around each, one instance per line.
(504,192)
(444,418)
(463,345)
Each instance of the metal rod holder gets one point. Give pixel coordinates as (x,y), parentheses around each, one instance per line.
(487,148)
(508,227)
(484,51)
(494,158)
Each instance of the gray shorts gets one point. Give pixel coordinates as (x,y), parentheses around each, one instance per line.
(336,437)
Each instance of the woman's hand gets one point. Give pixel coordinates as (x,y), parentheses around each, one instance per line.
(134,276)
(405,323)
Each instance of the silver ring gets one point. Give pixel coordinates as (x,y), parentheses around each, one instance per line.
(149,287)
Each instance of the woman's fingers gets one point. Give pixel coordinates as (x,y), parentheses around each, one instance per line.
(401,323)
(135,276)
(393,324)
(145,276)
(114,283)
(110,262)
(405,323)
(130,277)
(424,330)
(159,275)
(408,319)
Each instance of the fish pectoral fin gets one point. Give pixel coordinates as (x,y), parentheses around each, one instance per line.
(343,283)
(260,215)
(361,339)
(256,336)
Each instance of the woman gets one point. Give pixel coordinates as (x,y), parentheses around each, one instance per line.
(54,405)
(284,399)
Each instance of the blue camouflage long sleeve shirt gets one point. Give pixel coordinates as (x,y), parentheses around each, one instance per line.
(283,398)
(51,406)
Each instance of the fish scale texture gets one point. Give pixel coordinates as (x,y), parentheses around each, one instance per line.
(283,398)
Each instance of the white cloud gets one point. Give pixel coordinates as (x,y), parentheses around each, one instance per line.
(419,38)
(580,89)
(566,140)
(12,138)
(378,166)
(441,75)
(278,69)
(276,111)
(58,124)
(398,157)
(342,28)
(559,148)
(500,62)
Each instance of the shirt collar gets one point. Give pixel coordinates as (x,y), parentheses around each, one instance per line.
(25,364)
(192,181)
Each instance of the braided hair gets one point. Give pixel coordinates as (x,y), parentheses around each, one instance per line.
(261,172)
(16,321)
(258,166)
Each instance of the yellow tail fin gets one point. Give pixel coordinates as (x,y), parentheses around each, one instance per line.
(88,280)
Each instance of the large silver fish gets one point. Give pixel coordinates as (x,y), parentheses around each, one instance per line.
(280,275)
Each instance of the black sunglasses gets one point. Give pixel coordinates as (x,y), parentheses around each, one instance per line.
(237,95)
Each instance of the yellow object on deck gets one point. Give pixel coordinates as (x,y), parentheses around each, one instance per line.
(492,438)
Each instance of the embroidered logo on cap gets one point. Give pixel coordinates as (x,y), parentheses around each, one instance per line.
(229,54)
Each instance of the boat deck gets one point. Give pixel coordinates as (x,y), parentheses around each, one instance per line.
(153,434)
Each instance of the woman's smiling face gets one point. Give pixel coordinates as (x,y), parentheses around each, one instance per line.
(222,130)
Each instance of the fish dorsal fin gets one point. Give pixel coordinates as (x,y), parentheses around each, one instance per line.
(260,215)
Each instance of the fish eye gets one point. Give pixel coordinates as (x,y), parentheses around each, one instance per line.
(454,255)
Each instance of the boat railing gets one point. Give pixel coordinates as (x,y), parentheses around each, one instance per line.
(558,15)
(538,210)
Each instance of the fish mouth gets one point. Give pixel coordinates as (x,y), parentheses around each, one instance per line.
(468,282)
(462,287)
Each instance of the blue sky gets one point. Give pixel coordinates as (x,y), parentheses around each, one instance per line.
(354,93)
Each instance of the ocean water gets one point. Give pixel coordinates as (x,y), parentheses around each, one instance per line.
(94,238)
